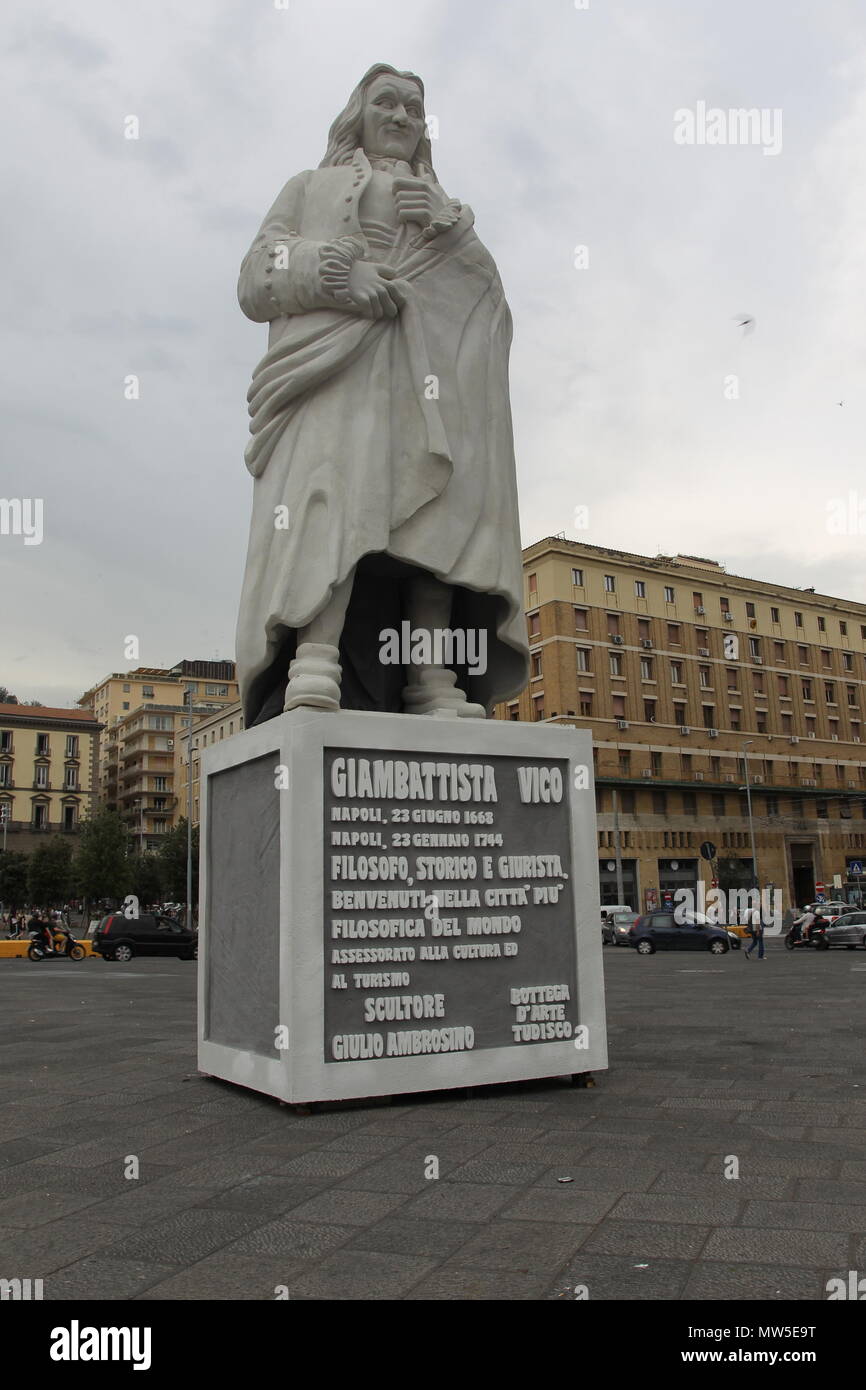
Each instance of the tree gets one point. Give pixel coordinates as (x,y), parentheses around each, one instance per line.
(49,877)
(101,867)
(6,696)
(172,855)
(145,877)
(13,879)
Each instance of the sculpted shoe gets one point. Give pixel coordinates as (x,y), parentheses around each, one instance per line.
(435,691)
(314,677)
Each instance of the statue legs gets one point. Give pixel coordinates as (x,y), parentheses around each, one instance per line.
(432,688)
(315,672)
(314,675)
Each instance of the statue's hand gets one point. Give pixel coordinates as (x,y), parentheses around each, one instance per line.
(417,201)
(374,290)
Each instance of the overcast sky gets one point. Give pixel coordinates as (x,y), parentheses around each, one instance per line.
(556,125)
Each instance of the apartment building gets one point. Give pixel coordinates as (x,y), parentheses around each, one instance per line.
(122,694)
(48,761)
(703,691)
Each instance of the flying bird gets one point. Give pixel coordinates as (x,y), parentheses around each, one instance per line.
(747,322)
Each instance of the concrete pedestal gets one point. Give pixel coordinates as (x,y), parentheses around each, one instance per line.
(391,903)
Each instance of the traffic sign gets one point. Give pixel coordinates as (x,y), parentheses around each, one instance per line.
(708,850)
(855,868)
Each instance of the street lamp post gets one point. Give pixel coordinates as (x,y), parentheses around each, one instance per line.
(189,810)
(751,820)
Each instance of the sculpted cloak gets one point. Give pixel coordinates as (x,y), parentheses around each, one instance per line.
(383,444)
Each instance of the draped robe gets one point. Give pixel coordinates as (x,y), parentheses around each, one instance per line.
(384,445)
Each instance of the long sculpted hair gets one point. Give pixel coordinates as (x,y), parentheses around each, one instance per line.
(344,137)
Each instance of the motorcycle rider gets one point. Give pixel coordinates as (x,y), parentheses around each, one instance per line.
(42,928)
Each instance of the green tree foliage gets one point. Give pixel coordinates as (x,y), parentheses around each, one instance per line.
(172,855)
(49,875)
(145,878)
(101,866)
(14,892)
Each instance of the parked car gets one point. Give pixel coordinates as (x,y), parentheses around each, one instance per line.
(829,911)
(661,931)
(120,938)
(614,931)
(848,930)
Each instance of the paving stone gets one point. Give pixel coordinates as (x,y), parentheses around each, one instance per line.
(487,1170)
(777,1247)
(107,1280)
(478,1285)
(221,1277)
(647,1239)
(561,1203)
(142,1206)
(361,1274)
(715,1184)
(764,1283)
(35,1209)
(267,1195)
(307,1240)
(402,1236)
(344,1206)
(704,1210)
(621,1279)
(183,1238)
(811,1216)
(444,1201)
(522,1245)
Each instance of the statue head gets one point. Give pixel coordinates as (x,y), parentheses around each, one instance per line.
(385,115)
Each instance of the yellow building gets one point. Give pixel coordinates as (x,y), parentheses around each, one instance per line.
(116,697)
(694,682)
(48,760)
(211,728)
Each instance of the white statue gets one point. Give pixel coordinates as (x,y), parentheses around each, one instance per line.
(385,499)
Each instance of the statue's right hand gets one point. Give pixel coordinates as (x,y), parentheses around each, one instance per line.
(374,290)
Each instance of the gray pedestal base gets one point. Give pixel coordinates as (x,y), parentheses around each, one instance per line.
(391,903)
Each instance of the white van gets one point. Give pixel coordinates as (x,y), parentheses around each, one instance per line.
(608,911)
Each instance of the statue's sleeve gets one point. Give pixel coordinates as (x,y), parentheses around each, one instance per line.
(284,273)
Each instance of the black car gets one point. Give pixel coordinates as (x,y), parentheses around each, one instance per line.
(662,931)
(120,938)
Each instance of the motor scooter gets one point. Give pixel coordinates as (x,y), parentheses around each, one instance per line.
(65,946)
(815,937)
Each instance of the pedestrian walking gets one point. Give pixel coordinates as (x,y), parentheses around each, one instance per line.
(756,931)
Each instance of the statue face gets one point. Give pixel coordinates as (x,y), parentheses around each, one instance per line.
(393,120)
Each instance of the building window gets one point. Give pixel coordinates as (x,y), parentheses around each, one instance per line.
(718,799)
(610,583)
(734,716)
(643,630)
(619,707)
(660,803)
(848,661)
(41,778)
(42,748)
(798,619)
(536,665)
(709,716)
(762,722)
(787,726)
(690,804)
(784,687)
(758,682)
(680,716)
(649,711)
(147,692)
(613,625)
(750,610)
(627,801)
(581,620)
(639,588)
(676,673)
(586,706)
(807,690)
(583,654)
(615,664)
(577,578)
(72,745)
(533,589)
(822,624)
(5,778)
(670,595)
(538,707)
(6,741)
(646,668)
(40,817)
(724,605)
(826,657)
(704,677)
(803,656)
(754,646)
(733,687)
(71,778)
(774,615)
(698,601)
(126,688)
(673,634)
(534,622)
(125,705)
(830,692)
(624,760)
